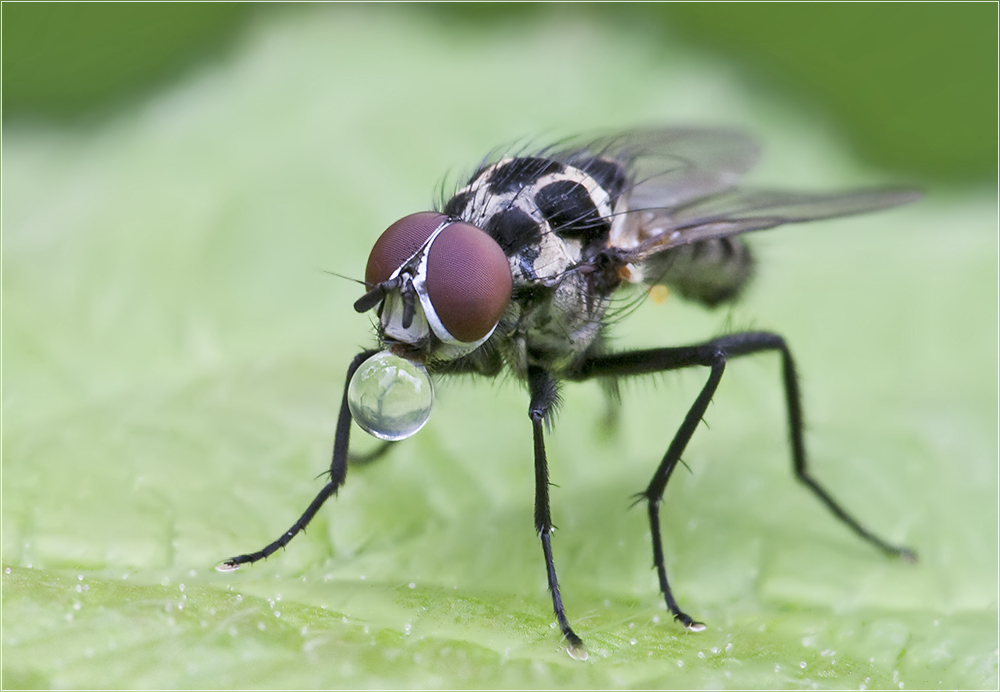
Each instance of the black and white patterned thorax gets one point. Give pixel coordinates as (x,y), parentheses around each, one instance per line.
(553,221)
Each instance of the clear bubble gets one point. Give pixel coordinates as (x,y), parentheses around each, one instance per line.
(390,397)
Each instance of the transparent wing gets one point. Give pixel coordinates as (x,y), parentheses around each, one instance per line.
(670,166)
(656,229)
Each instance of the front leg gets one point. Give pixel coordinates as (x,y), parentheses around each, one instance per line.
(338,473)
(544,396)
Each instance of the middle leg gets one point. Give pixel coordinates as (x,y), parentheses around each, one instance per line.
(544,396)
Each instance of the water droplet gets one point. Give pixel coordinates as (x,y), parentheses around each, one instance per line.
(390,397)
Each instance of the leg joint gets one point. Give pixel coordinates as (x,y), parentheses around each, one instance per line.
(716,356)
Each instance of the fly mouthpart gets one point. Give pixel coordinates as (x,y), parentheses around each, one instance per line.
(409,295)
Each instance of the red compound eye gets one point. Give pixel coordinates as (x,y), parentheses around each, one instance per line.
(468,281)
(398,243)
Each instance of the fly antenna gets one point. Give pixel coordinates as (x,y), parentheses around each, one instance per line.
(370,299)
(348,278)
(375,295)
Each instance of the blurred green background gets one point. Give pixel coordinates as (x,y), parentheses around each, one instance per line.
(175,178)
(913,84)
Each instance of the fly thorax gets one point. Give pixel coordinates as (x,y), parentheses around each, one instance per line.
(551,219)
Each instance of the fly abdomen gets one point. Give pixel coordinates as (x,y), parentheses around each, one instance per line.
(711,271)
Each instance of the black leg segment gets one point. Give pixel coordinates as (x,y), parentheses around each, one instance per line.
(544,396)
(338,472)
(714,354)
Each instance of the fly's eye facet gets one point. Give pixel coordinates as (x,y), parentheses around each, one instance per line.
(468,281)
(398,243)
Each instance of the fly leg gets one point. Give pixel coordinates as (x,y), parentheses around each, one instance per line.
(544,396)
(714,355)
(338,472)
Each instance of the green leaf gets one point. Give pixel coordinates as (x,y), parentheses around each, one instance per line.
(174,357)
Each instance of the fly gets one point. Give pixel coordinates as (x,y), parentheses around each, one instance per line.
(518,269)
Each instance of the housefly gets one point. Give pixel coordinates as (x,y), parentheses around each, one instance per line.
(516,272)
